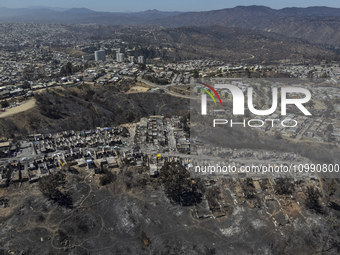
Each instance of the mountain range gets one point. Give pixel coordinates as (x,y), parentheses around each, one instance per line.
(318,25)
(81,16)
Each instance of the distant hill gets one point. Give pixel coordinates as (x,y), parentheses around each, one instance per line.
(48,8)
(318,25)
(227,44)
(315,24)
(317,11)
(80,16)
(79,11)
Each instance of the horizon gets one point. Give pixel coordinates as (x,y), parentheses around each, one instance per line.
(165,6)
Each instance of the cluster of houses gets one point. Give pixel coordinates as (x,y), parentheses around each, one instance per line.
(108,147)
(50,152)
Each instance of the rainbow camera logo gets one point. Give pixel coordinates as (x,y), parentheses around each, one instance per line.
(211,95)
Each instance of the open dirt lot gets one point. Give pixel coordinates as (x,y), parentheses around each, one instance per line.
(137,89)
(21,108)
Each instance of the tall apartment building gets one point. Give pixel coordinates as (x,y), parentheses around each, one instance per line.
(120,57)
(141,60)
(99,55)
(131,59)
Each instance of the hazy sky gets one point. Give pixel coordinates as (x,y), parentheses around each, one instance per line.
(164,5)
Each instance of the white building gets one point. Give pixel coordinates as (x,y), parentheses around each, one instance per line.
(120,57)
(141,60)
(131,59)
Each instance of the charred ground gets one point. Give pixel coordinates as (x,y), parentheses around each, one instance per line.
(133,215)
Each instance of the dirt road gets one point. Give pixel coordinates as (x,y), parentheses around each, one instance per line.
(21,108)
